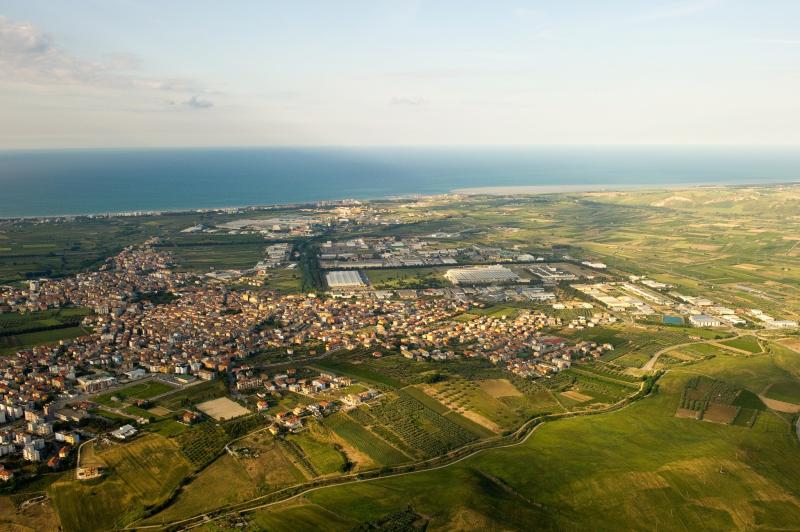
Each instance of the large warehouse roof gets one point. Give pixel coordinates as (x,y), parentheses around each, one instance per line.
(344,279)
(481,275)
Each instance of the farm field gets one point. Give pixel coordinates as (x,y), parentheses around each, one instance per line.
(140,474)
(380,452)
(600,486)
(15,342)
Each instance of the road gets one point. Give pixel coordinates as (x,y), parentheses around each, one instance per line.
(650,364)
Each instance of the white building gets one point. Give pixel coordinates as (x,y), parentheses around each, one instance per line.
(481,275)
(338,280)
(704,320)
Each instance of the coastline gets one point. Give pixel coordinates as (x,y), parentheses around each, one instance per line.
(521,190)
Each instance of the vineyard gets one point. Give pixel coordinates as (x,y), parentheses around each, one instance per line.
(600,385)
(204,442)
(420,428)
(366,442)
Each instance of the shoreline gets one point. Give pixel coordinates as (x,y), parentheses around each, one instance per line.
(521,190)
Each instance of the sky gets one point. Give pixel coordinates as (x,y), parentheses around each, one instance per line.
(139,73)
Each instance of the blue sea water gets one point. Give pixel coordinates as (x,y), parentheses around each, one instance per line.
(39,183)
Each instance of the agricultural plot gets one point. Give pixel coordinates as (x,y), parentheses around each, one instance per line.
(600,386)
(15,342)
(361,438)
(222,408)
(203,253)
(140,475)
(494,404)
(316,451)
(718,402)
(266,463)
(674,486)
(419,428)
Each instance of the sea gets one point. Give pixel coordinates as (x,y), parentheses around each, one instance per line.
(70,182)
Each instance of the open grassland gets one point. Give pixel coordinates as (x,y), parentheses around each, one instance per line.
(142,390)
(140,475)
(233,479)
(223,482)
(744,343)
(15,323)
(394,278)
(39,517)
(638,468)
(284,280)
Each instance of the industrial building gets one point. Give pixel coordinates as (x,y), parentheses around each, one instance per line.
(481,275)
(704,320)
(349,279)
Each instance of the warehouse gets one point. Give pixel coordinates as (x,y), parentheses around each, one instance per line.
(481,275)
(703,320)
(338,280)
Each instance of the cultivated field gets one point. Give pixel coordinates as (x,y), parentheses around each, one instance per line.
(222,408)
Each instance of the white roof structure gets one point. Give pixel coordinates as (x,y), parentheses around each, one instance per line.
(345,279)
(481,275)
(124,432)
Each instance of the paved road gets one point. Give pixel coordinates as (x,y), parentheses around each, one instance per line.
(652,362)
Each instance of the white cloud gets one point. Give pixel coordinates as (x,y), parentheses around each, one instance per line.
(29,55)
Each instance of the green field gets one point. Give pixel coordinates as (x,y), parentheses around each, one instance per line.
(378,450)
(745,343)
(195,393)
(317,448)
(394,278)
(140,475)
(142,390)
(603,480)
(13,343)
(284,280)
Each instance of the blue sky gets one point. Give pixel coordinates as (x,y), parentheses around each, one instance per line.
(117,73)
